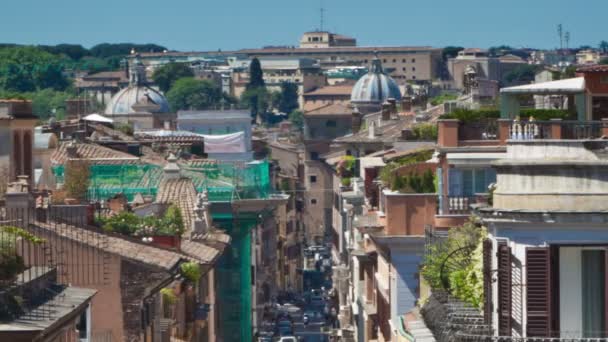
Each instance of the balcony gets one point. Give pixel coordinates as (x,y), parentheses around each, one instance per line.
(495,132)
(459,205)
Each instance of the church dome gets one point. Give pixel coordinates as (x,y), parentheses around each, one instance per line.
(138,96)
(375,87)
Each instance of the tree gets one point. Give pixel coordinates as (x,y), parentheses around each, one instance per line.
(450,52)
(190,93)
(77,179)
(256,76)
(72,51)
(604,61)
(256,99)
(166,75)
(603,46)
(27,68)
(521,74)
(297,119)
(122,49)
(48,101)
(289,97)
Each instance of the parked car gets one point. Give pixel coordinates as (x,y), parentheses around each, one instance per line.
(288,339)
(284,328)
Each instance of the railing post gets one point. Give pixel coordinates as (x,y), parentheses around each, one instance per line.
(447,132)
(605,127)
(556,129)
(504,126)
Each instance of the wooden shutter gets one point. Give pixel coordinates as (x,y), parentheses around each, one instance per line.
(538,294)
(487,281)
(504,290)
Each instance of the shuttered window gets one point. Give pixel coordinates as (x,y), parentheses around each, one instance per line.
(504,290)
(468,182)
(487,281)
(538,294)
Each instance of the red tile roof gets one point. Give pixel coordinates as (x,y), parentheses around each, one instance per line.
(593,68)
(335,108)
(95,154)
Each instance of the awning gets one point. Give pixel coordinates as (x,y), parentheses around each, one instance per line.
(474,159)
(567,86)
(97,118)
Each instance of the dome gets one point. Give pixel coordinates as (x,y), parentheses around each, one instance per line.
(125,99)
(137,94)
(375,87)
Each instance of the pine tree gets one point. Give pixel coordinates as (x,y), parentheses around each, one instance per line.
(256,76)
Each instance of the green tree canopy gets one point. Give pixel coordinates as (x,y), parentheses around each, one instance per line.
(297,119)
(190,93)
(450,52)
(603,45)
(107,50)
(522,74)
(72,51)
(27,68)
(256,99)
(288,101)
(604,61)
(256,76)
(166,75)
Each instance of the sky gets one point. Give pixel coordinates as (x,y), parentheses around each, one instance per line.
(195,25)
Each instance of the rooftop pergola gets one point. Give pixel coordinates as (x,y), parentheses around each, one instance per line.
(575,87)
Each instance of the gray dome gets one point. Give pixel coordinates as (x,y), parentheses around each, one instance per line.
(137,94)
(375,87)
(123,101)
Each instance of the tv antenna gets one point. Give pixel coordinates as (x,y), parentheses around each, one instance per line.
(322,19)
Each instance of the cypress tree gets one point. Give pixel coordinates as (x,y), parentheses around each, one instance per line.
(256,76)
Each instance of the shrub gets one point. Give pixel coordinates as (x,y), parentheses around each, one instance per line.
(11,263)
(437,100)
(424,131)
(466,282)
(191,271)
(468,115)
(169,296)
(346,166)
(125,223)
(388,172)
(414,183)
(345,181)
(172,222)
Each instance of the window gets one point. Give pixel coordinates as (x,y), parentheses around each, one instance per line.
(313,201)
(314,155)
(313,179)
(384,60)
(365,61)
(394,61)
(413,60)
(413,68)
(404,69)
(468,182)
(330,123)
(413,77)
(604,79)
(404,61)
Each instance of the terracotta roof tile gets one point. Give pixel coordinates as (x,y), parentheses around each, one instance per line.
(145,254)
(182,193)
(345,90)
(336,108)
(593,68)
(94,153)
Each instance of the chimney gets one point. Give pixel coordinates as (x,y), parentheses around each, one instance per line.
(393,105)
(371,132)
(386,111)
(406,104)
(171,170)
(356,120)
(72,150)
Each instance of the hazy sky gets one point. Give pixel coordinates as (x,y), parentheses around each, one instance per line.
(210,25)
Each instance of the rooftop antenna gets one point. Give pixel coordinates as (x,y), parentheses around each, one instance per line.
(567,39)
(322,14)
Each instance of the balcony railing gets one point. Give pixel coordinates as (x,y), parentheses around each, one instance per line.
(453,133)
(455,205)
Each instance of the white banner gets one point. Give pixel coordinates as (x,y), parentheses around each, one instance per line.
(227,143)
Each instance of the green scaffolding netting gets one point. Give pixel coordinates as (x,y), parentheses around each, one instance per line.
(224,181)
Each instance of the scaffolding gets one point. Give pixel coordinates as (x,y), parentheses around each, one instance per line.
(224,182)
